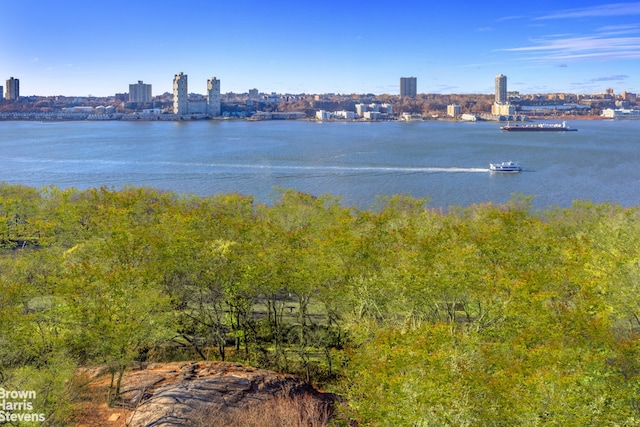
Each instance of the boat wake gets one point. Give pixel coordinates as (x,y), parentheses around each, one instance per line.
(340,169)
(260,166)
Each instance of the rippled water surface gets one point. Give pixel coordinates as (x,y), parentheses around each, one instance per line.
(443,161)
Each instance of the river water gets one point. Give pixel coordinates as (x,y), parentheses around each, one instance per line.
(446,162)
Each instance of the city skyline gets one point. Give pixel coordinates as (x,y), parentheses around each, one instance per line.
(77,48)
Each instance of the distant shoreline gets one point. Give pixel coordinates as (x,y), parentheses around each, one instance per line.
(61,117)
(568,118)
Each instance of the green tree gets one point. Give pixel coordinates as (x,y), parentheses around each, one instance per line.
(116,308)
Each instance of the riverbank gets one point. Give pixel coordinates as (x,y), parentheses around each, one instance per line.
(76,116)
(568,117)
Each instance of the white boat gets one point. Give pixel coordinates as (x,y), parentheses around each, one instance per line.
(538,127)
(505,167)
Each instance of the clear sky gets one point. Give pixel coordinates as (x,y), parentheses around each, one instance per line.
(82,47)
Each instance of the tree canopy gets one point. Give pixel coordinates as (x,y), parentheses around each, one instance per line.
(485,315)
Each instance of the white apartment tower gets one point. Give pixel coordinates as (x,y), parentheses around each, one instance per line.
(13,89)
(501,89)
(213,97)
(140,92)
(180,104)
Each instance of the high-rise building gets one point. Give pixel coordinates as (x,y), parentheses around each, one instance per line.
(13,89)
(213,97)
(501,106)
(408,87)
(501,89)
(140,92)
(1,93)
(180,104)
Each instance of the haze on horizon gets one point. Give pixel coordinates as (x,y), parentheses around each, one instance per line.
(77,48)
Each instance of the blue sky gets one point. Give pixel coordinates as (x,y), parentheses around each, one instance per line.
(77,48)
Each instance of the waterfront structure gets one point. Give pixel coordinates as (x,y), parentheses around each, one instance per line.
(453,110)
(621,113)
(180,104)
(409,117)
(408,87)
(278,115)
(140,92)
(372,115)
(323,115)
(13,89)
(503,109)
(213,97)
(79,109)
(348,115)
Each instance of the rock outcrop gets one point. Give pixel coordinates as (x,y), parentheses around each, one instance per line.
(211,393)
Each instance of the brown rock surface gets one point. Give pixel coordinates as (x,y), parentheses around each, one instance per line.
(202,394)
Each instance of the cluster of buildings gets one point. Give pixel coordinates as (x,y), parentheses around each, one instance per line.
(211,105)
(499,109)
(181,104)
(373,111)
(140,94)
(139,103)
